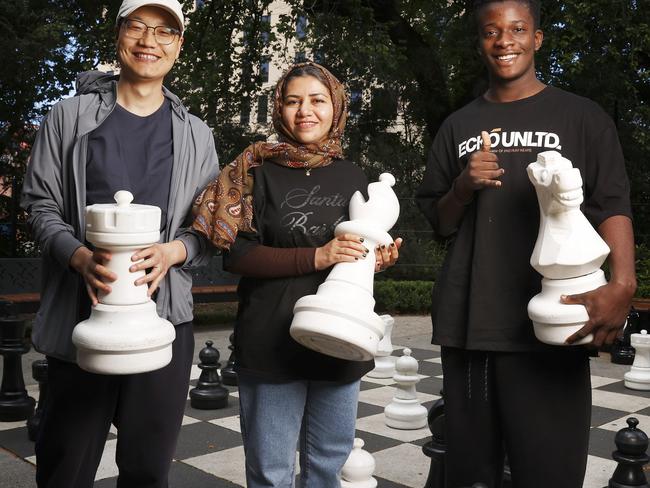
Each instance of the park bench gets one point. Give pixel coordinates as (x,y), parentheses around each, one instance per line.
(20,281)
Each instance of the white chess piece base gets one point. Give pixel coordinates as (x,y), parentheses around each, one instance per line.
(384,367)
(637,379)
(331,329)
(125,339)
(553,321)
(405,414)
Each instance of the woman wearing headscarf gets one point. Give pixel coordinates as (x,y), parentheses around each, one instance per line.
(274,209)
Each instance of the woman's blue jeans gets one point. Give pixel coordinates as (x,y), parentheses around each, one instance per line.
(275,416)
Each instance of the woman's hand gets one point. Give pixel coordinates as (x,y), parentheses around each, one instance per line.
(385,256)
(341,249)
(92,267)
(158,259)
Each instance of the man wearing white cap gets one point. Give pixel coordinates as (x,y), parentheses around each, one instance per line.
(123,132)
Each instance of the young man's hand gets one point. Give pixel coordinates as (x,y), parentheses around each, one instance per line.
(607,307)
(158,259)
(482,171)
(92,267)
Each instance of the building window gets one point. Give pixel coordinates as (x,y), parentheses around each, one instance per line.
(245,117)
(356,98)
(264,69)
(262,109)
(301,27)
(265,27)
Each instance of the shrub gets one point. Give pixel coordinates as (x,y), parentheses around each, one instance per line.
(404,297)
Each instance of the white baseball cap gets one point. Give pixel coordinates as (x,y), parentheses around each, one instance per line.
(172,6)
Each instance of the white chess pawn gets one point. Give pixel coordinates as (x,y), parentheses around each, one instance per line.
(384,362)
(638,377)
(405,411)
(358,469)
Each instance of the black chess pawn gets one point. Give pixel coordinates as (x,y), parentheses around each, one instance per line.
(209,394)
(228,373)
(15,404)
(436,448)
(622,351)
(632,444)
(39,373)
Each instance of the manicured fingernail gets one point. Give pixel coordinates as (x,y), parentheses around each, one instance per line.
(383,246)
(364,254)
(356,259)
(361,239)
(366,250)
(392,244)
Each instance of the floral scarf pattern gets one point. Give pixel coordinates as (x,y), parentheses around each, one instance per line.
(225,206)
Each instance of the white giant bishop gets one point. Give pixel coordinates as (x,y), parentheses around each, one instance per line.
(339,320)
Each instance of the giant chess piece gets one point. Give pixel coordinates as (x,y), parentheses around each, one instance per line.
(39,373)
(384,362)
(638,377)
(15,403)
(340,320)
(209,394)
(436,448)
(622,351)
(405,411)
(124,334)
(228,373)
(630,454)
(568,252)
(358,469)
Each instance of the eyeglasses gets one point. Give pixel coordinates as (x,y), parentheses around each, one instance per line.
(136,29)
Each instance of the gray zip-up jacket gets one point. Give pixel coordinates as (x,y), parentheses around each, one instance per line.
(54,195)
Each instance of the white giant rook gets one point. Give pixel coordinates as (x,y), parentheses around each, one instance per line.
(638,377)
(124,334)
(568,252)
(339,320)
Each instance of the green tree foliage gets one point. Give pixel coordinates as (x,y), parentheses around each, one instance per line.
(408,63)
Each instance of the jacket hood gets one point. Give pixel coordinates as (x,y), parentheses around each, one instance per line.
(94,81)
(104,86)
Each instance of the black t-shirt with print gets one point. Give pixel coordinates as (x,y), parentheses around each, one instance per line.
(292,209)
(481,294)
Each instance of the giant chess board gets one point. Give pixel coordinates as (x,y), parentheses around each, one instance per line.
(210,452)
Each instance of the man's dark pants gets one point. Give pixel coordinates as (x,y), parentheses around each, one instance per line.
(147,409)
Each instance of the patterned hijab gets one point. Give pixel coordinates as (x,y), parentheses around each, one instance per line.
(225,206)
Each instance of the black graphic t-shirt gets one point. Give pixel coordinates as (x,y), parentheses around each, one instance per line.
(480,297)
(292,209)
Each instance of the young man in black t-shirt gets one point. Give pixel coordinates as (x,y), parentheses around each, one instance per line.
(503,388)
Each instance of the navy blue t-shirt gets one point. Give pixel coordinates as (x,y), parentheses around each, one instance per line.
(129,152)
